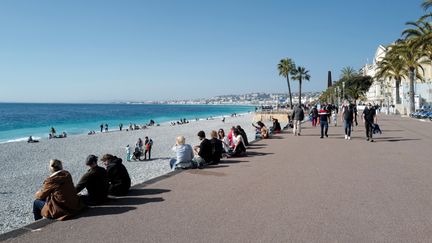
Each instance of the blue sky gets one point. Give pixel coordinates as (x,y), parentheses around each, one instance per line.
(99,51)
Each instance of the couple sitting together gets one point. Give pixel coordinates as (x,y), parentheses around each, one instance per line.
(58,198)
(208,152)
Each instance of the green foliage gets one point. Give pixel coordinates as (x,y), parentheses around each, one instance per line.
(300,74)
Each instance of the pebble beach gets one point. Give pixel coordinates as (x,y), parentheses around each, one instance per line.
(24,166)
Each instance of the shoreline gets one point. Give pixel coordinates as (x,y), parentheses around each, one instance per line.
(25,165)
(116,129)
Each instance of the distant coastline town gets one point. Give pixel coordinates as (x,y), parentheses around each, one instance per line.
(256,98)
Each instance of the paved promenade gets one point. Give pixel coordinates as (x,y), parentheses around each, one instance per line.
(289,189)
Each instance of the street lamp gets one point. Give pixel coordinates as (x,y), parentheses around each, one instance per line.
(343,90)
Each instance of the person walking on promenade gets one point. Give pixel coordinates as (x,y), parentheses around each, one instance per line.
(118,176)
(57,199)
(348,119)
(297,116)
(369,119)
(148,146)
(95,180)
(324,120)
(101,127)
(314,115)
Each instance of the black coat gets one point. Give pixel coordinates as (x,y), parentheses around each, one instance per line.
(205,151)
(118,177)
(96,182)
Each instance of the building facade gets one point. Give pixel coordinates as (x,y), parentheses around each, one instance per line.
(383,92)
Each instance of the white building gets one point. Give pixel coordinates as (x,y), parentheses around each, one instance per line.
(383,92)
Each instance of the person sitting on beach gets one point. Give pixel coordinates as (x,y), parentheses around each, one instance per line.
(95,180)
(184,154)
(31,140)
(239,148)
(118,176)
(217,148)
(203,152)
(137,153)
(52,132)
(57,199)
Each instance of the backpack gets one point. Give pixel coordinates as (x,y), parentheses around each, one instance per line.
(348,113)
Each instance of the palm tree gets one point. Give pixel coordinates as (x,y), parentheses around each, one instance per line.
(347,73)
(300,74)
(421,35)
(427,4)
(392,67)
(410,57)
(285,68)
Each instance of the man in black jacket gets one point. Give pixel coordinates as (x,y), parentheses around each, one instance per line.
(96,182)
(118,176)
(203,152)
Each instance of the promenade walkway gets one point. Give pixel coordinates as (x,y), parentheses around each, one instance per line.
(301,189)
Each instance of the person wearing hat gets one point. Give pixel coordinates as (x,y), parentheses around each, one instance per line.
(95,180)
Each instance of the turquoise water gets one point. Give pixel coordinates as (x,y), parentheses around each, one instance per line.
(18,121)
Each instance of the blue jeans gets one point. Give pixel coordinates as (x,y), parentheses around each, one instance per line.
(348,125)
(37,208)
(324,128)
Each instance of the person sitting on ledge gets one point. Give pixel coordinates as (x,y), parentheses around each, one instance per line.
(118,176)
(276,126)
(262,131)
(239,147)
(184,154)
(95,180)
(203,152)
(57,199)
(217,148)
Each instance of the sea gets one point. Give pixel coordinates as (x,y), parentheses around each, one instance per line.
(18,121)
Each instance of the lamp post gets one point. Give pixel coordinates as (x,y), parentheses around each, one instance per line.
(343,90)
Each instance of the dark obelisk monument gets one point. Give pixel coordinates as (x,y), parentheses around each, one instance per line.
(329,80)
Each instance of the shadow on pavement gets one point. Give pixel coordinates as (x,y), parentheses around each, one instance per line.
(144,191)
(103,210)
(132,201)
(231,161)
(252,153)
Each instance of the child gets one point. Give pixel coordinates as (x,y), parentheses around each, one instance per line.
(334,118)
(128,153)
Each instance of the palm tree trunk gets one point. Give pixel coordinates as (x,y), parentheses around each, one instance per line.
(398,101)
(411,90)
(300,84)
(289,91)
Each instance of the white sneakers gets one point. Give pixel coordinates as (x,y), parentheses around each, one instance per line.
(347,138)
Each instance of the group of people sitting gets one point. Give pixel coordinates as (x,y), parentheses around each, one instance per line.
(53,134)
(179,122)
(209,151)
(60,199)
